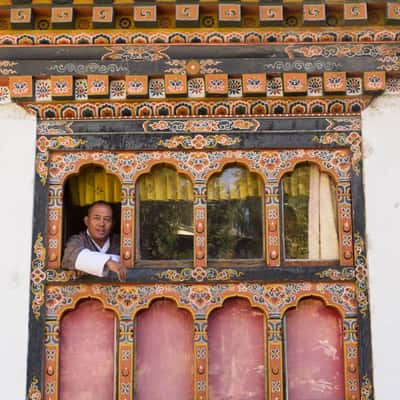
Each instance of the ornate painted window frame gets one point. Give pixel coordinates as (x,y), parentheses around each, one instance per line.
(272,145)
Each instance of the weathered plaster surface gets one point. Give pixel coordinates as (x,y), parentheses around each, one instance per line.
(381,132)
(17,151)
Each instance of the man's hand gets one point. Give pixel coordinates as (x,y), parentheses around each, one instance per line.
(118,269)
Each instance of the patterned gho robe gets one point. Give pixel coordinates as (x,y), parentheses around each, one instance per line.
(81,253)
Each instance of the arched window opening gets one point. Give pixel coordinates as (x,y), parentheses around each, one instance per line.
(87,353)
(90,185)
(165,215)
(314,352)
(164,353)
(234,215)
(309,215)
(236,343)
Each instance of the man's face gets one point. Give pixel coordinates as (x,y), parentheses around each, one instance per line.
(99,223)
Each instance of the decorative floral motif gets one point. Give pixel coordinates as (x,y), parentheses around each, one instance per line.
(198,142)
(201,125)
(314,86)
(196,88)
(361,272)
(353,140)
(193,67)
(345,274)
(199,164)
(97,86)
(366,388)
(20,88)
(344,50)
(54,275)
(81,89)
(45,144)
(117,90)
(199,274)
(386,55)
(43,90)
(341,295)
(61,87)
(393,86)
(235,87)
(59,296)
(354,86)
(34,391)
(136,53)
(38,276)
(156,88)
(275,87)
(274,297)
(127,299)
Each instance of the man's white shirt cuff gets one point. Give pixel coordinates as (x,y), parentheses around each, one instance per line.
(93,262)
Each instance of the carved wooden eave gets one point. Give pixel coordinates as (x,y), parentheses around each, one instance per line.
(198,79)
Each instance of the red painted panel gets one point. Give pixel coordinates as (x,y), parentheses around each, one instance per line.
(236,352)
(314,352)
(87,340)
(164,353)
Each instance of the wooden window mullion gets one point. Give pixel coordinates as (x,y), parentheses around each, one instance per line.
(125,360)
(54,229)
(201,360)
(127,225)
(274,350)
(350,347)
(272,231)
(52,356)
(200,225)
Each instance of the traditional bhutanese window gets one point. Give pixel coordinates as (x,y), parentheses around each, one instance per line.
(309,215)
(164,353)
(236,361)
(165,215)
(90,185)
(234,215)
(87,353)
(314,352)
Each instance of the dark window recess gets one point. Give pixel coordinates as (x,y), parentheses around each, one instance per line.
(90,185)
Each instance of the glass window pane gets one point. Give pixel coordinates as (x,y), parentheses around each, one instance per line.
(236,346)
(314,352)
(234,215)
(309,215)
(165,215)
(164,353)
(87,342)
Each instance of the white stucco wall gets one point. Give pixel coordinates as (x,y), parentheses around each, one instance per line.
(17,149)
(381,138)
(381,131)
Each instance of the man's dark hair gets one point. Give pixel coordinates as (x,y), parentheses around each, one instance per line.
(99,202)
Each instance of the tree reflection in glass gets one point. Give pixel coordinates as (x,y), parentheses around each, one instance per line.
(234,215)
(309,214)
(165,215)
